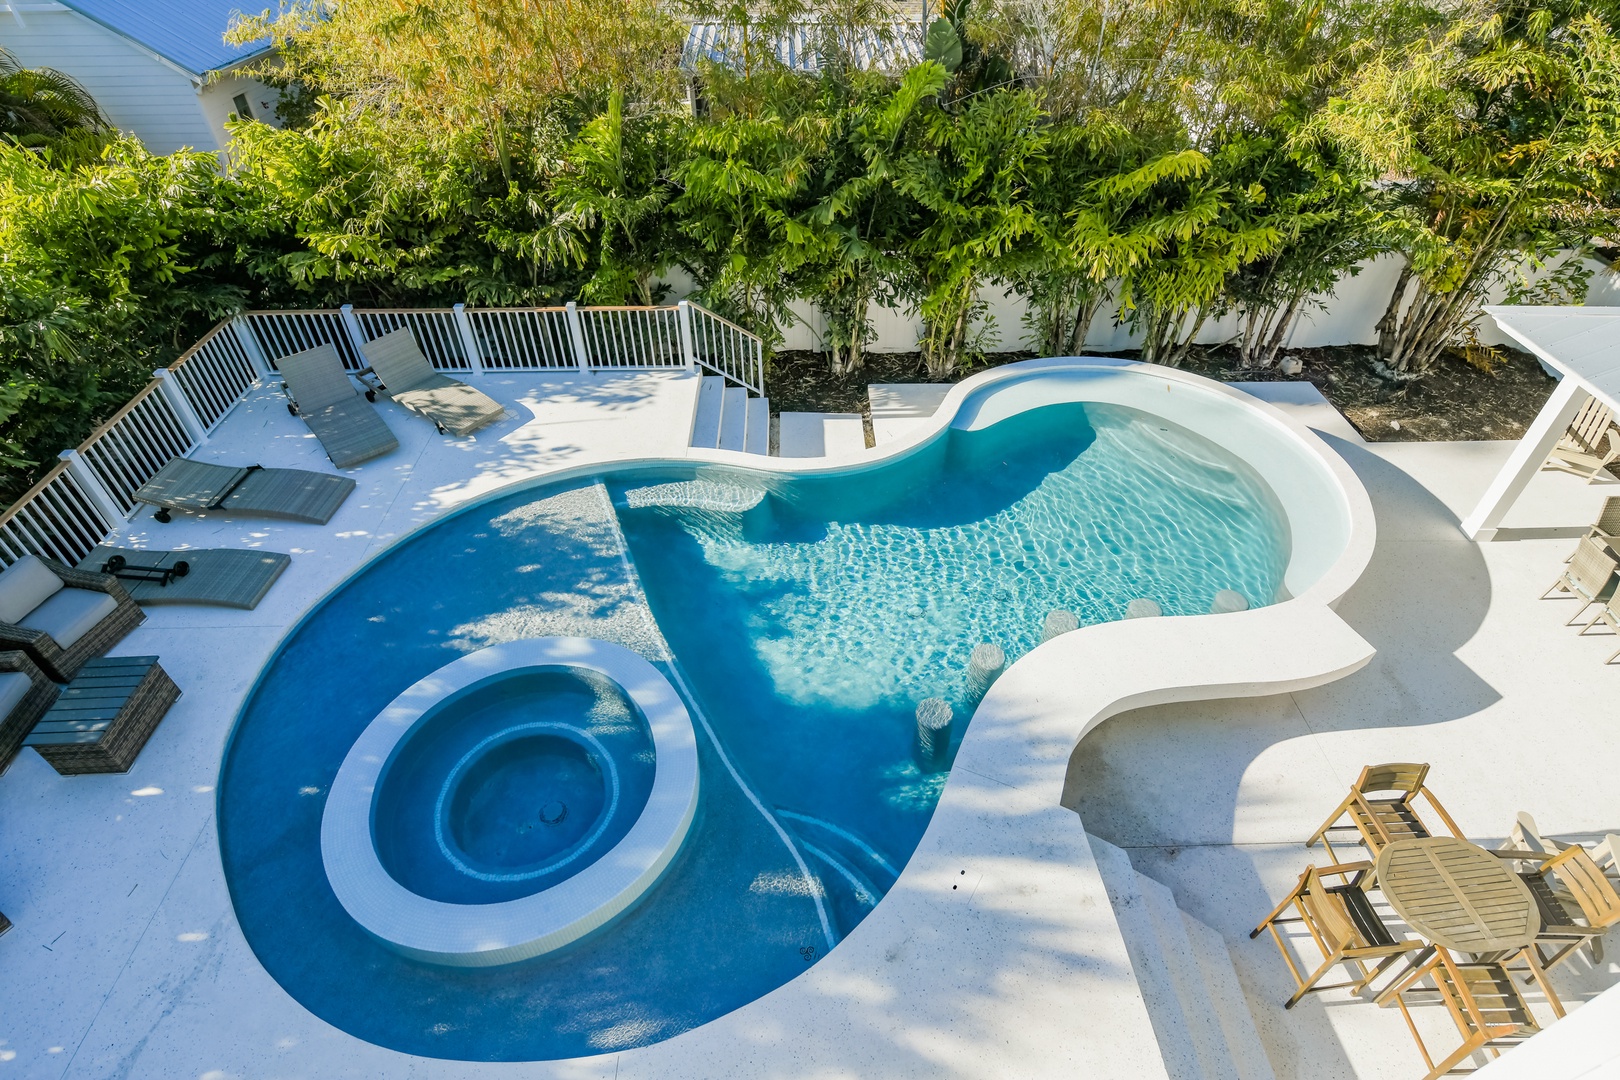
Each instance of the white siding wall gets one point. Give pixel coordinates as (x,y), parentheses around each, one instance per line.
(138,92)
(1347,317)
(218,103)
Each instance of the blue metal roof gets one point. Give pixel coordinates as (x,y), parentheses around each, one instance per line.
(190,33)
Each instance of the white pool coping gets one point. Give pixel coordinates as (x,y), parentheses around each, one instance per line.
(486,935)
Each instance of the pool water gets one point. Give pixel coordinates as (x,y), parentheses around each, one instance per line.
(512,787)
(805,618)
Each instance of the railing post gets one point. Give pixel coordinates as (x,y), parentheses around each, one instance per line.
(469,340)
(171,389)
(688,334)
(250,345)
(92,486)
(576,331)
(357,336)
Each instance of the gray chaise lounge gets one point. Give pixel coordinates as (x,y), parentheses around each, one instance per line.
(217,577)
(287,494)
(404,374)
(319,390)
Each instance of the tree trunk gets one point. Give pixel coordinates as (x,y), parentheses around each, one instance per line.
(1389,327)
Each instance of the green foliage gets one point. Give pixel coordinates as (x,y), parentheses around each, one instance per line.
(1165,164)
(1497,139)
(107,270)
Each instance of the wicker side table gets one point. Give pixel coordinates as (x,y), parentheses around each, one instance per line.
(105,715)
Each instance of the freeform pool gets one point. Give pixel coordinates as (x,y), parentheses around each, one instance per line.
(802,618)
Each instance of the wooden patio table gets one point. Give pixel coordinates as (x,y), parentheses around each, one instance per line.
(1458,895)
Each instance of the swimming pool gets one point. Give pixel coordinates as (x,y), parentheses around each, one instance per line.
(803,617)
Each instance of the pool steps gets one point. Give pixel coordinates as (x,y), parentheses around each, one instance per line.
(1199,1012)
(726,418)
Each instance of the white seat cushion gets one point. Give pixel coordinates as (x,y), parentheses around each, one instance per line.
(26,584)
(70,614)
(14,686)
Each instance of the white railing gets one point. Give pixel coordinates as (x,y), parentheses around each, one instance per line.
(725,348)
(80,501)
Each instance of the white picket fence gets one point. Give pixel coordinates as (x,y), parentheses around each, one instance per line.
(80,501)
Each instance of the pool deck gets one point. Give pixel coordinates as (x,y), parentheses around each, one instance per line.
(126,960)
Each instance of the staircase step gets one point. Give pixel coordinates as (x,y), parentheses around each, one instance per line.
(1148,962)
(733,418)
(1231,1004)
(706,417)
(758,437)
(1196,997)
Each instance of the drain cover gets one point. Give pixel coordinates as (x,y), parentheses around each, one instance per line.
(553,813)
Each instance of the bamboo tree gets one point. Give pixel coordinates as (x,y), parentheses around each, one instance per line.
(1500,146)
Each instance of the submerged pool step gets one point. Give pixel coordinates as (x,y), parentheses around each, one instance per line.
(854,874)
(1200,1015)
(727,418)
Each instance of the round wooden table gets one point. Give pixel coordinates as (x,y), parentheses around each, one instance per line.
(1458,895)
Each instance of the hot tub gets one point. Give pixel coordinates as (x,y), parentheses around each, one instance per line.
(511,802)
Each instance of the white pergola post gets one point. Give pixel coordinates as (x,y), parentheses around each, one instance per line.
(1527,458)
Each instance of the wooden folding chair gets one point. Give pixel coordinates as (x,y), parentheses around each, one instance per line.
(1380,807)
(1344,925)
(1576,901)
(1484,1002)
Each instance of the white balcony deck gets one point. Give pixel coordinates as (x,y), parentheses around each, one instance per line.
(126,959)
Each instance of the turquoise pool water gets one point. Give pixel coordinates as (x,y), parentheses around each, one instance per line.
(805,618)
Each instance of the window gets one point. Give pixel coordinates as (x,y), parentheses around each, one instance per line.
(242,110)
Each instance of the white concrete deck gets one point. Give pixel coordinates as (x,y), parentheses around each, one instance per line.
(126,959)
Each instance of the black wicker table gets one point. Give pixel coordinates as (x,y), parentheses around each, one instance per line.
(105,715)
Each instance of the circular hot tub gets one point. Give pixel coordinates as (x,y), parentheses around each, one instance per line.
(511,802)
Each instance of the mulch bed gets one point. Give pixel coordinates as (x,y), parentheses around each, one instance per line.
(1454,401)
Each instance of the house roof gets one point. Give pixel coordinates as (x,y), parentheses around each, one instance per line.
(798,46)
(188,33)
(1583,342)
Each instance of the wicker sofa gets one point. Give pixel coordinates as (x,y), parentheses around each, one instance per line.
(62,617)
(25,695)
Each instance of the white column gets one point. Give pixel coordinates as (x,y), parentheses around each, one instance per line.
(688,335)
(1527,458)
(250,346)
(357,336)
(91,484)
(469,340)
(170,388)
(576,331)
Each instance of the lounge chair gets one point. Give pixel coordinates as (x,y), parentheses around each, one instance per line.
(1606,529)
(1608,615)
(319,390)
(287,494)
(1589,577)
(1382,821)
(217,577)
(25,695)
(61,617)
(1591,446)
(400,371)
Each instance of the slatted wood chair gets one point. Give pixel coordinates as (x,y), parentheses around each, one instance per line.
(1589,578)
(1484,1002)
(1380,808)
(1591,447)
(1576,901)
(1526,835)
(1343,923)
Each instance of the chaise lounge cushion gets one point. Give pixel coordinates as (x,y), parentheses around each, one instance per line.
(14,686)
(24,586)
(70,614)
